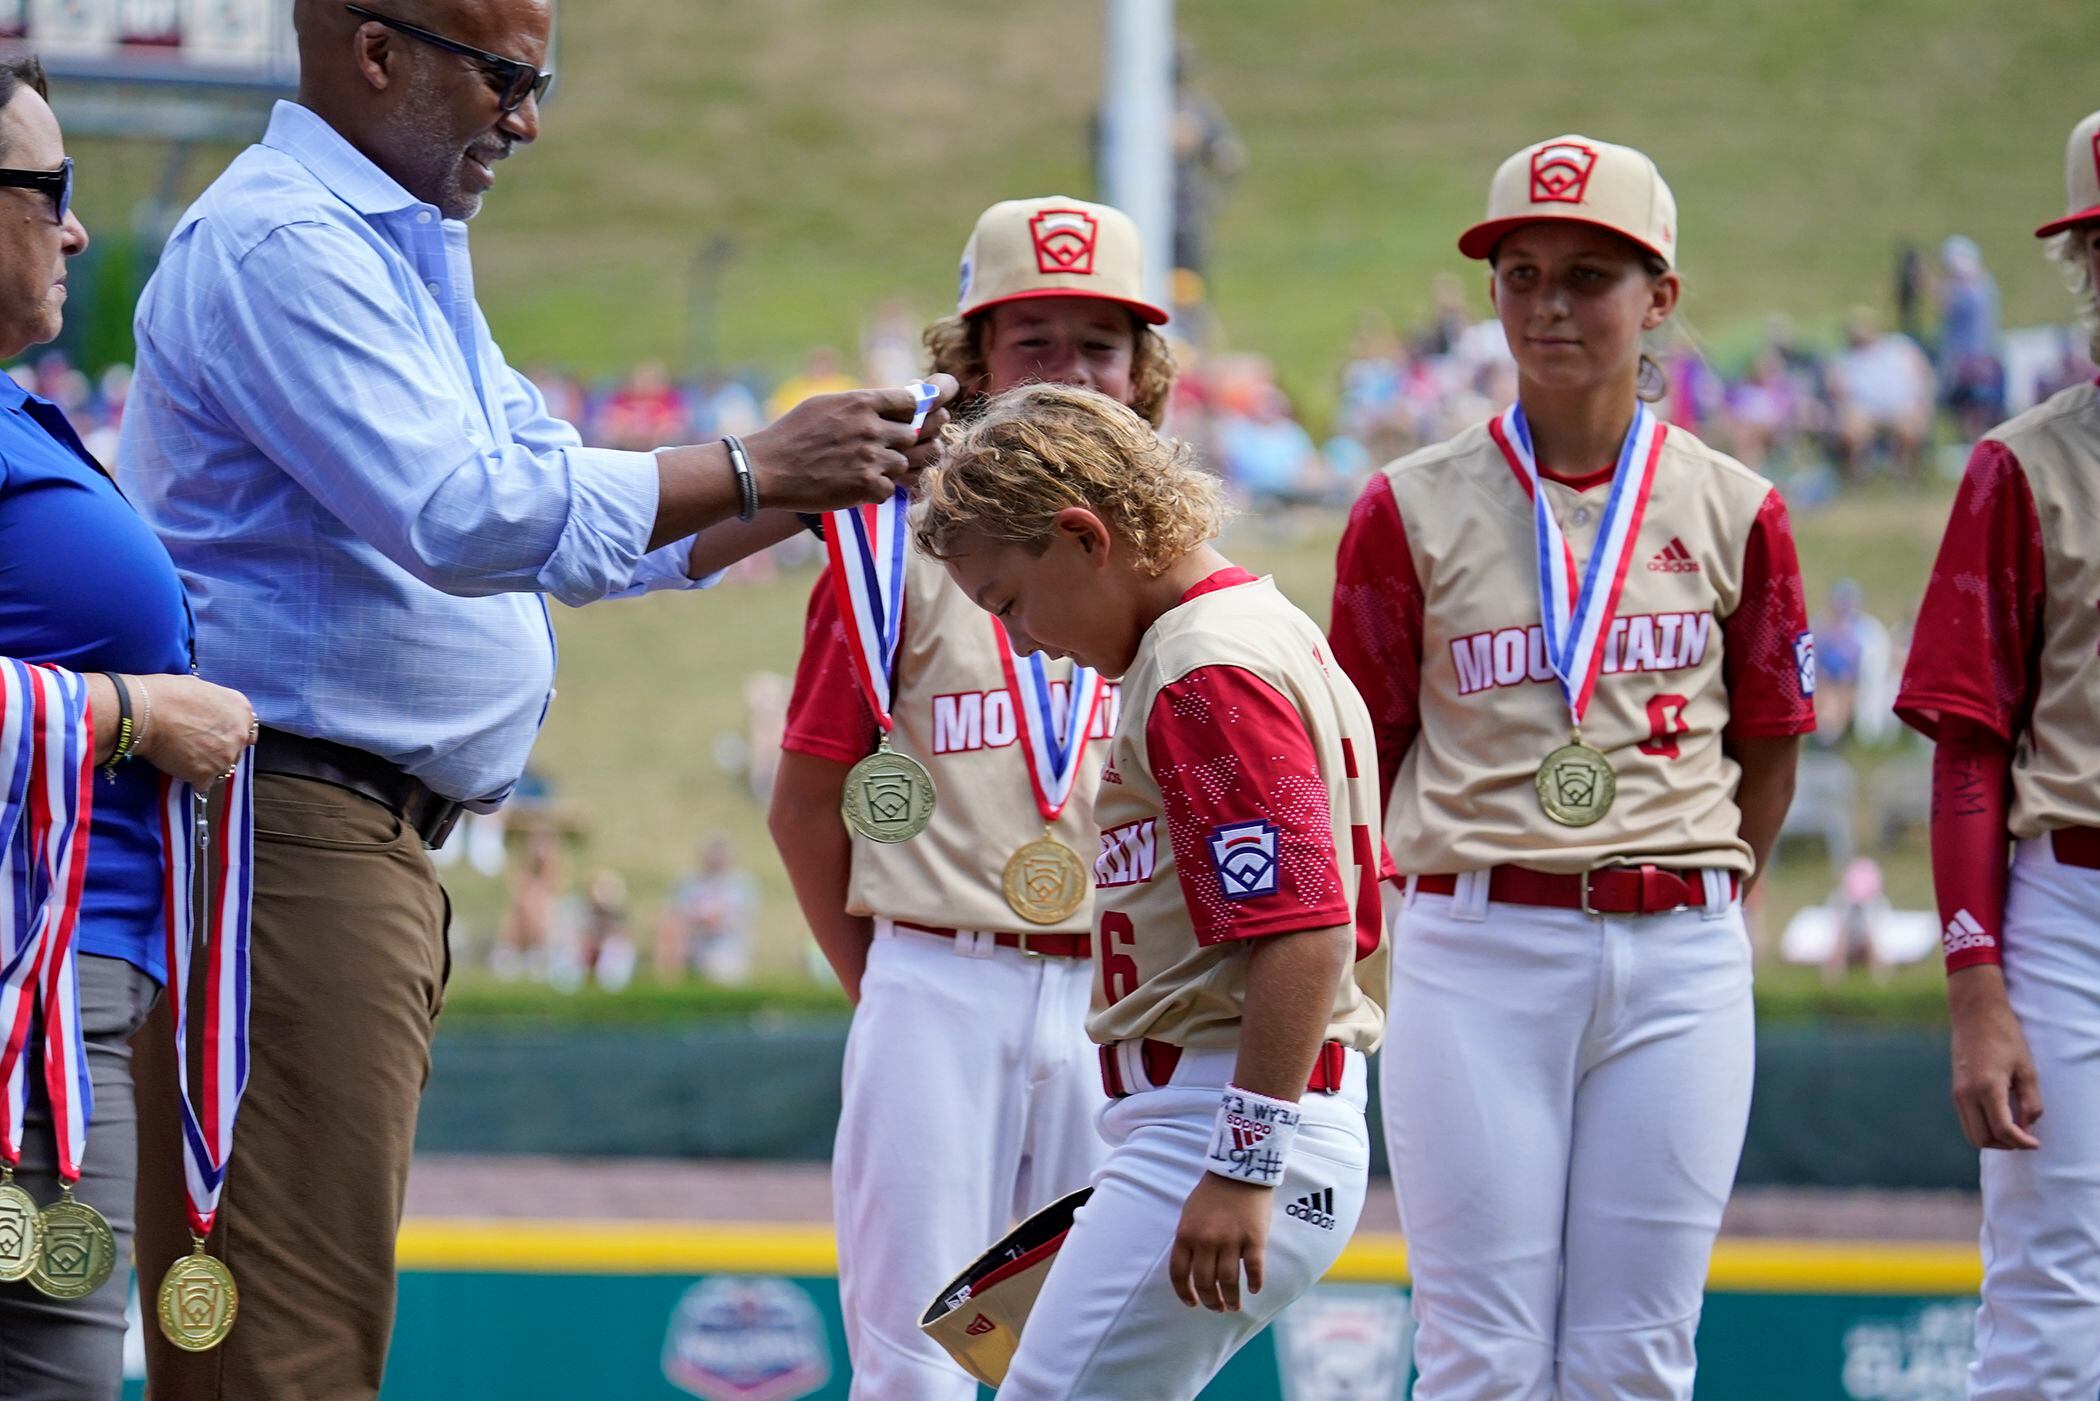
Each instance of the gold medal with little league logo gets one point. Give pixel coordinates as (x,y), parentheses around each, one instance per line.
(198,1301)
(21,1231)
(889,796)
(1576,784)
(1046,882)
(78,1250)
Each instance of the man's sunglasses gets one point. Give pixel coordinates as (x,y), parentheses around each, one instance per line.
(512,80)
(56,185)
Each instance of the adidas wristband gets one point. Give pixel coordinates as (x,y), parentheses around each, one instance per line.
(1251,1139)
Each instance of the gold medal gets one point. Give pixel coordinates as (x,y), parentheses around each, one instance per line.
(1046,882)
(79,1250)
(21,1233)
(198,1301)
(888,797)
(1576,784)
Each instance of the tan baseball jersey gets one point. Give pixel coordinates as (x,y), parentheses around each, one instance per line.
(954,715)
(1437,619)
(2008,634)
(1238,802)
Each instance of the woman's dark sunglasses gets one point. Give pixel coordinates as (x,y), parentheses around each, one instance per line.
(512,80)
(56,185)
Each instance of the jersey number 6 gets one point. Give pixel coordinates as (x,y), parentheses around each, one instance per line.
(1119,971)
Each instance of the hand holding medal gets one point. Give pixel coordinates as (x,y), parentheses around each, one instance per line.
(889,796)
(1576,783)
(1045,881)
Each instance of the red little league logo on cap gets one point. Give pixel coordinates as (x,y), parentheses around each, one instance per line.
(1560,172)
(1064,241)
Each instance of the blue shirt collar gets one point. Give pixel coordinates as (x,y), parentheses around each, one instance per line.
(12,395)
(346,171)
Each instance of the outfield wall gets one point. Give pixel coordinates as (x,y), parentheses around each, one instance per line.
(523,1310)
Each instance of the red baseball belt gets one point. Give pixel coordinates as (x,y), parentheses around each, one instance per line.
(1046,945)
(1160,1057)
(2077,846)
(1606,890)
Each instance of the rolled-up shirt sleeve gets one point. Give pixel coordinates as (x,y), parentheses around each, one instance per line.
(312,355)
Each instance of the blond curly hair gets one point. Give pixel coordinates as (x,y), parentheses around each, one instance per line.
(955,346)
(2067,251)
(1039,449)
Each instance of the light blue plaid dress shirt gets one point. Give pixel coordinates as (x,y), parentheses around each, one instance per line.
(366,503)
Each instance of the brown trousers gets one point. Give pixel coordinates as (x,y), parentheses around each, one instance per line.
(348,973)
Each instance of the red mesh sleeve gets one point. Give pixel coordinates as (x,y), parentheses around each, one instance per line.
(1376,632)
(1971,773)
(1768,657)
(827,717)
(1977,641)
(1246,808)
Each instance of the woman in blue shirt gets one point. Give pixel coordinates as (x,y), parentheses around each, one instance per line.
(85,586)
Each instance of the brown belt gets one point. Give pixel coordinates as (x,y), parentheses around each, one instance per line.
(1607,890)
(1052,945)
(431,815)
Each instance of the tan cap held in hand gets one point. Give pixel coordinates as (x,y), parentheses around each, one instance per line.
(1053,247)
(2081,178)
(1582,181)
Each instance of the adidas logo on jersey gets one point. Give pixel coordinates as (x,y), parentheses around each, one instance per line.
(1966,932)
(1314,1208)
(1674,558)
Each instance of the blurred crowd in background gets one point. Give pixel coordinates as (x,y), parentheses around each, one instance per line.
(1889,395)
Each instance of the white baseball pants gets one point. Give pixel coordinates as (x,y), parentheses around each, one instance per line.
(2038,1331)
(1107,1326)
(1565,1100)
(970,1096)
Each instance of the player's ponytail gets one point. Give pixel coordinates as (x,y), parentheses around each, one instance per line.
(2067,251)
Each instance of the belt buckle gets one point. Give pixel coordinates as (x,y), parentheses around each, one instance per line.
(1609,863)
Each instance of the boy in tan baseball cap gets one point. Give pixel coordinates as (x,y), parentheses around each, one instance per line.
(970,1087)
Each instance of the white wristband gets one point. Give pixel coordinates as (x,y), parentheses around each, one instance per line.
(1252,1137)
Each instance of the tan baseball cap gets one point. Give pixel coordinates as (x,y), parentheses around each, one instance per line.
(1584,182)
(2081,178)
(1053,247)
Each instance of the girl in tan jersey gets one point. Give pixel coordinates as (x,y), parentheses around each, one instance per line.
(2004,674)
(1581,632)
(1241,961)
(969,1085)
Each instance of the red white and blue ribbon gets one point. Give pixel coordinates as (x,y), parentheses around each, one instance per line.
(1577,607)
(867,545)
(20,945)
(61,798)
(1052,743)
(207,1133)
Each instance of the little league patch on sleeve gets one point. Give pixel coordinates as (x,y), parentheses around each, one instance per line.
(1245,856)
(1805,661)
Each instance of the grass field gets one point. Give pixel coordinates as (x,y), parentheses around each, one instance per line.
(845,147)
(650,690)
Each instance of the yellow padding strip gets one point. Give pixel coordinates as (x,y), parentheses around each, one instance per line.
(646,1247)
